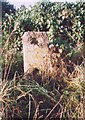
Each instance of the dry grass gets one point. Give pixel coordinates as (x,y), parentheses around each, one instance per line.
(65,96)
(60,94)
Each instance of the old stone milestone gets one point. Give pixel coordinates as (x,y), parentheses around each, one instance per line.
(36,52)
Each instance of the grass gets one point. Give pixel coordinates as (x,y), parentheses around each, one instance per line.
(55,96)
(60,99)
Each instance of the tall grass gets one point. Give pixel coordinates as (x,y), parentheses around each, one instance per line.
(60,96)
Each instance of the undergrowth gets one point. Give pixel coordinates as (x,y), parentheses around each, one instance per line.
(58,96)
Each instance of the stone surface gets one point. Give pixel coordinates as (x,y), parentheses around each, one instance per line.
(36,52)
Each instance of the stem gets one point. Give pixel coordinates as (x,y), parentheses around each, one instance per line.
(54,107)
(29,112)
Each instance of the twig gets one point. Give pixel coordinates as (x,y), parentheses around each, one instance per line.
(29,112)
(54,107)
(36,111)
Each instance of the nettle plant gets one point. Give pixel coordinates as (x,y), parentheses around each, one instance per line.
(67,28)
(63,22)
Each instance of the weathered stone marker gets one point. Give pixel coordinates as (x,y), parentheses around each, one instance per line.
(36,52)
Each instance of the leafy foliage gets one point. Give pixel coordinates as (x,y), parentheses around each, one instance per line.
(7,8)
(64,24)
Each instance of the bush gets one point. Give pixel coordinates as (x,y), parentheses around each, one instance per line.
(63,95)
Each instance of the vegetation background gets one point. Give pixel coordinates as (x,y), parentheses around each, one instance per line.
(57,97)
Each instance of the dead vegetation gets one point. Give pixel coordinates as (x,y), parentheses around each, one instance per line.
(56,95)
